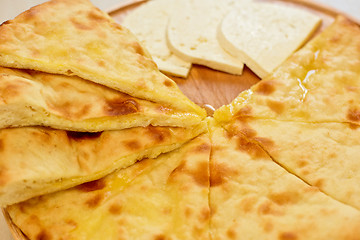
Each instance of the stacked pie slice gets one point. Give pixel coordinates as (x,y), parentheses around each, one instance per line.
(279,162)
(80,98)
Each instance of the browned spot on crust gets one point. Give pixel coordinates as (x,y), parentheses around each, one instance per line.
(115,209)
(6,22)
(243,113)
(188,212)
(230,233)
(94,201)
(219,174)
(119,107)
(268,226)
(43,235)
(168,83)
(180,168)
(276,106)
(287,236)
(92,186)
(72,223)
(205,214)
(96,16)
(335,39)
(353,126)
(248,132)
(203,148)
(70,109)
(265,87)
(247,204)
(201,174)
(81,26)
(267,208)
(137,48)
(2,145)
(10,90)
(30,14)
(158,134)
(353,115)
(302,163)
(265,142)
(319,183)
(284,198)
(160,237)
(101,63)
(133,144)
(78,136)
(251,148)
(4,178)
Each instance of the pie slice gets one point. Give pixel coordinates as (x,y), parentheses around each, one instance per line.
(36,161)
(73,37)
(324,155)
(162,198)
(319,83)
(31,98)
(251,197)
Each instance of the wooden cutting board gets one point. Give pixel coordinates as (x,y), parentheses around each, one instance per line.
(205,86)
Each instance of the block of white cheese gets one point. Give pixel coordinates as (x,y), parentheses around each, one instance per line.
(148,22)
(191,34)
(263,35)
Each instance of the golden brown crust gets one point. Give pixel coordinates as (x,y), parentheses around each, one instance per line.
(75,38)
(162,198)
(30,98)
(37,161)
(252,197)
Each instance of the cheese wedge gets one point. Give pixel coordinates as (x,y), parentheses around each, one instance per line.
(162,198)
(319,83)
(149,23)
(36,161)
(76,38)
(191,34)
(251,197)
(31,98)
(263,35)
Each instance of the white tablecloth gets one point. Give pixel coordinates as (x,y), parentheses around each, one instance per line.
(10,8)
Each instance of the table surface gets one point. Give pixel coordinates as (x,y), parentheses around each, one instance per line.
(10,8)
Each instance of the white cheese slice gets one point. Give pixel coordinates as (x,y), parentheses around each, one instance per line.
(148,22)
(263,35)
(191,34)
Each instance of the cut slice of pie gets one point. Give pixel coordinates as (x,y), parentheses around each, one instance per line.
(325,155)
(36,161)
(162,198)
(251,197)
(319,83)
(30,98)
(73,37)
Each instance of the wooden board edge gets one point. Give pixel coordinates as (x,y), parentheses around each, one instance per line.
(16,233)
